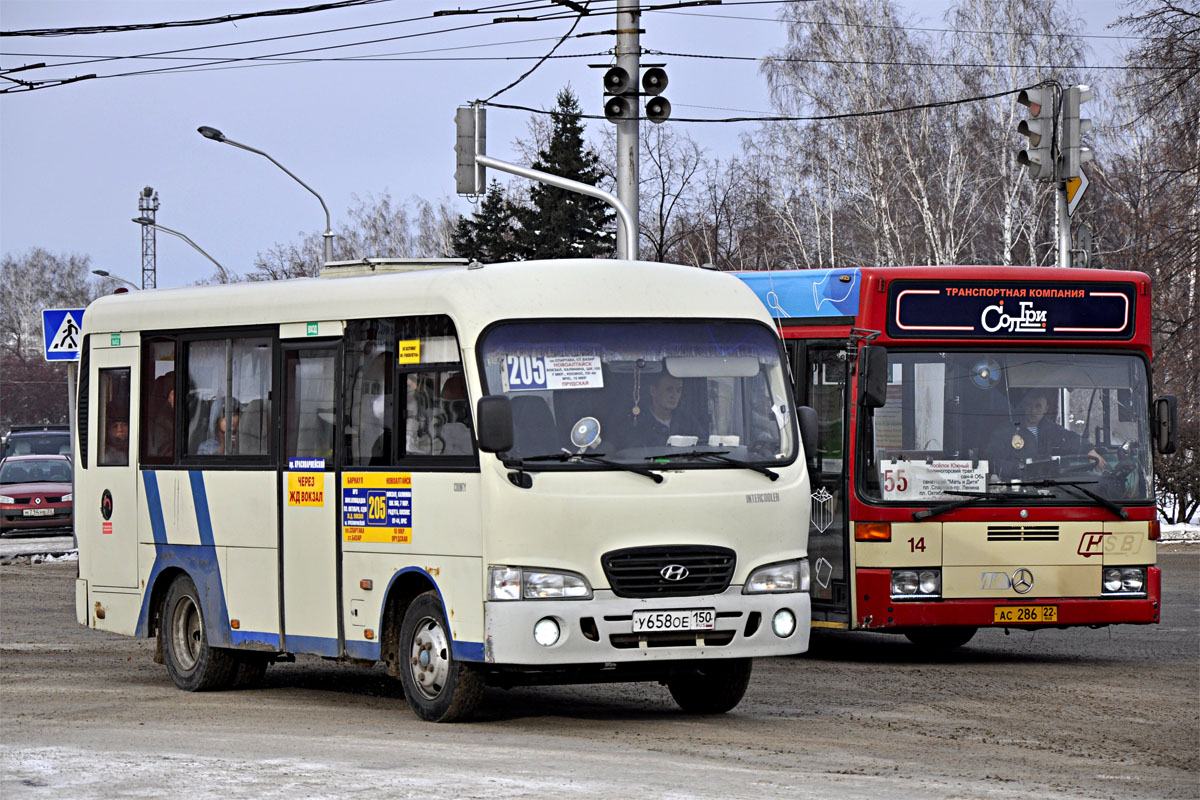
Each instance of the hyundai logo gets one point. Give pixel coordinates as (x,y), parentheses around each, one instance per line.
(674,572)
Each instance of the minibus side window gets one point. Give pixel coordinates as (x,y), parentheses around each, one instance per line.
(158,402)
(434,412)
(113,434)
(228,397)
(370,376)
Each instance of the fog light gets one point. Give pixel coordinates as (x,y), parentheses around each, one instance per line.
(783,623)
(546,632)
(904,581)
(1112,579)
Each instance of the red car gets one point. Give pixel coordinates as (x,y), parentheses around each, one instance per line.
(35,493)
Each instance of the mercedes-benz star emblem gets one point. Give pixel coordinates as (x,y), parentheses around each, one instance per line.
(1022,581)
(674,572)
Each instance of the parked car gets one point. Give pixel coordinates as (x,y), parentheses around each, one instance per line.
(35,493)
(25,440)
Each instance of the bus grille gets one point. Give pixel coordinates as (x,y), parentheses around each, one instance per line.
(628,641)
(639,571)
(1022,533)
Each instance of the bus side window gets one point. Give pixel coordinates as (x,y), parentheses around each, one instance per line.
(369,392)
(228,396)
(114,417)
(158,402)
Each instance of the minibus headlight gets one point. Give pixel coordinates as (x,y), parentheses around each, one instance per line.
(516,583)
(786,576)
(546,632)
(504,583)
(554,585)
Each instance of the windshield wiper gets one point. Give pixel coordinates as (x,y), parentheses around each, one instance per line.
(720,455)
(595,458)
(970,499)
(1079,487)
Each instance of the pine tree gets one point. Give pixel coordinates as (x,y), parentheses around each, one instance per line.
(558,223)
(489,234)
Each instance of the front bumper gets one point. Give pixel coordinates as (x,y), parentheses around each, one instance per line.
(600,630)
(12,519)
(876,609)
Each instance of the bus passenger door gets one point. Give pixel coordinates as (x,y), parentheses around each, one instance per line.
(106,502)
(828,543)
(308,545)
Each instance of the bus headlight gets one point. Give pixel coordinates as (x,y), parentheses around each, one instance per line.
(783,623)
(916,584)
(517,583)
(1124,580)
(546,632)
(786,576)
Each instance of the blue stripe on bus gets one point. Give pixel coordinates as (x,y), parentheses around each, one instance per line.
(313,645)
(255,640)
(368,651)
(200,500)
(154,506)
(467,651)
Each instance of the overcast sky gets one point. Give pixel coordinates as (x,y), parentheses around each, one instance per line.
(73,158)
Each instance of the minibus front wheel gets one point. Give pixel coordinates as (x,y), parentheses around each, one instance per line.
(192,664)
(438,687)
(711,687)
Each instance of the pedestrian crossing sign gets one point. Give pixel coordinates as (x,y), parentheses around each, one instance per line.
(61,332)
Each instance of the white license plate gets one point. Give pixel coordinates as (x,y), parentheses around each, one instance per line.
(690,619)
(38,512)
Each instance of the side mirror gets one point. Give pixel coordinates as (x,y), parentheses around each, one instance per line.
(808,432)
(872,376)
(494,424)
(1164,424)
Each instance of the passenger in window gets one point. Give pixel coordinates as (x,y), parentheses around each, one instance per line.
(215,444)
(663,418)
(419,396)
(455,435)
(161,420)
(116,434)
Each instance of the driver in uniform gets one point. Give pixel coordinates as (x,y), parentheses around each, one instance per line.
(1035,436)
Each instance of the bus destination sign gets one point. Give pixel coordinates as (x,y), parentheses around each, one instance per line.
(1010,310)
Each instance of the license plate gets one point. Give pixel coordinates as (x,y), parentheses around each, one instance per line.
(1018,614)
(38,512)
(691,619)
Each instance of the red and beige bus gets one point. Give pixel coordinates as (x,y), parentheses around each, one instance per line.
(985,448)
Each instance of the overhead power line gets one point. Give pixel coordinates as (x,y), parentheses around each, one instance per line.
(189,23)
(812,118)
(868,63)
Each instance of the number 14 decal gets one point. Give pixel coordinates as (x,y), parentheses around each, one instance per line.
(916,544)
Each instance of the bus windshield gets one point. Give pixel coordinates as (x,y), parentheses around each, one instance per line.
(1033,424)
(697,393)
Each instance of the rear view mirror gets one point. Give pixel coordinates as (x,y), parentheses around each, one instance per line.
(872,376)
(1164,424)
(494,423)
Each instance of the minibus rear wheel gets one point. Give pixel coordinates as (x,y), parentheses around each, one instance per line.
(438,687)
(711,687)
(192,664)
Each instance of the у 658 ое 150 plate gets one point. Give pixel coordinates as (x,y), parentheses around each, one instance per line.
(688,619)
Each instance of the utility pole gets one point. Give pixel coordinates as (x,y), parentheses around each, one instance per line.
(628,58)
(147,205)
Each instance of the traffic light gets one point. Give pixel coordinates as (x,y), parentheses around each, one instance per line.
(1074,153)
(621,104)
(658,110)
(471,139)
(1039,127)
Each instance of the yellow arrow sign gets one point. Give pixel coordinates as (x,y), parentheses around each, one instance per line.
(1075,189)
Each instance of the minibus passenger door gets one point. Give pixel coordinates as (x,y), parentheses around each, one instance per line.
(309,560)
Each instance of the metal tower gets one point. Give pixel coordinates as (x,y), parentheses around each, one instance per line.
(147,205)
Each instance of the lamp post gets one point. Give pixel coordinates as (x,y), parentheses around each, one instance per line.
(214,134)
(147,221)
(106,274)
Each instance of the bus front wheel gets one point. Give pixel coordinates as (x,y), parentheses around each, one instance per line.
(192,664)
(940,639)
(711,687)
(438,687)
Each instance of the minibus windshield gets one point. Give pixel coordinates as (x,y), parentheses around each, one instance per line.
(1057,426)
(642,393)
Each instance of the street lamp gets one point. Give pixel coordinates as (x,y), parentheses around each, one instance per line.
(214,134)
(106,274)
(157,227)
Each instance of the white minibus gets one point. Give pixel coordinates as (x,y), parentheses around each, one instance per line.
(480,475)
